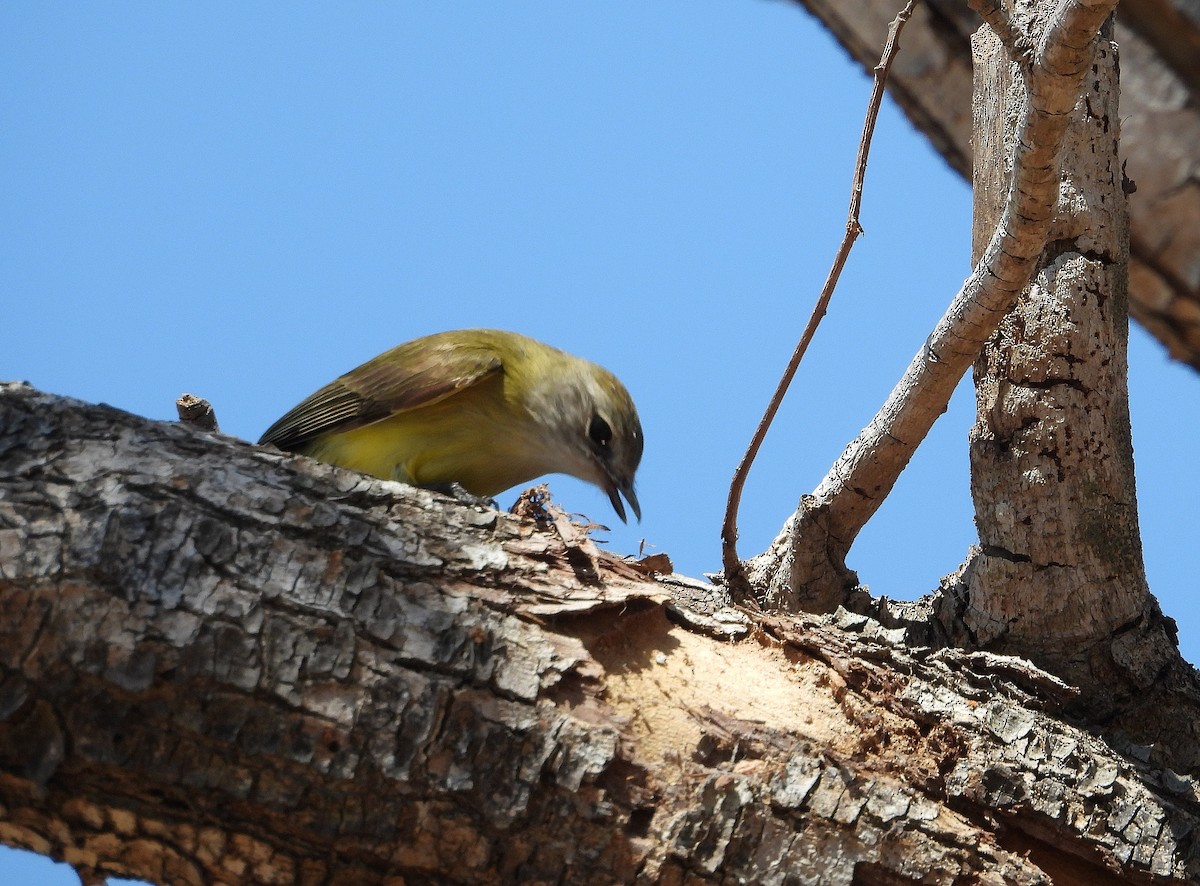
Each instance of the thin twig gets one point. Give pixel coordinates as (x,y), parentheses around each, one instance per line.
(734,574)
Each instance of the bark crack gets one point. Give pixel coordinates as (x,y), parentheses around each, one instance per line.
(1004,554)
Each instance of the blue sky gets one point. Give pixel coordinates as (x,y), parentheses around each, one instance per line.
(244,201)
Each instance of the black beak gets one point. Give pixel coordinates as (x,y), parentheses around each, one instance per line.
(615,491)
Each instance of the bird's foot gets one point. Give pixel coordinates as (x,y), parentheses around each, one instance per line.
(456,492)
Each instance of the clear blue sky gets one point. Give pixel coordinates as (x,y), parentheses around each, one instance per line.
(244,201)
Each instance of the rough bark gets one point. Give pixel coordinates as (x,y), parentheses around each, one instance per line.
(1058,576)
(1060,567)
(1160,44)
(805,567)
(221,664)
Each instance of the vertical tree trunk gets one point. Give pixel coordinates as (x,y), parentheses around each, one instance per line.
(805,567)
(1060,567)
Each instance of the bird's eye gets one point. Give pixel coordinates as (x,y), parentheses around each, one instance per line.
(600,432)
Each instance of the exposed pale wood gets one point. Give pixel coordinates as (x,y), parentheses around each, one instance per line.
(225,665)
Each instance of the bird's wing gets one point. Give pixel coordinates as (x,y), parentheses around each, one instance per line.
(411,375)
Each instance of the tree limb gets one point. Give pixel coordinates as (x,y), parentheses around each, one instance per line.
(220,664)
(805,567)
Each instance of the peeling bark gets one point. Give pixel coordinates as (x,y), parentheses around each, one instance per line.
(221,664)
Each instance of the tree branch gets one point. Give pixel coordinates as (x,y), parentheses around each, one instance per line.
(222,664)
(805,567)
(734,575)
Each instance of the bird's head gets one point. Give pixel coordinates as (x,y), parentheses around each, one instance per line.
(596,433)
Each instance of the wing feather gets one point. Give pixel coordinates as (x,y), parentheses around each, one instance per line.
(412,375)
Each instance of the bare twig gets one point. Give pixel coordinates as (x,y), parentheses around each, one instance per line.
(734,574)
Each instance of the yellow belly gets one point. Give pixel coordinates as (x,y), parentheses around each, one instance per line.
(474,438)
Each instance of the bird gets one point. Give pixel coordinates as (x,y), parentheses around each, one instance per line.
(485,409)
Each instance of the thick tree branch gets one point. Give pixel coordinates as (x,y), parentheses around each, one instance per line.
(219,664)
